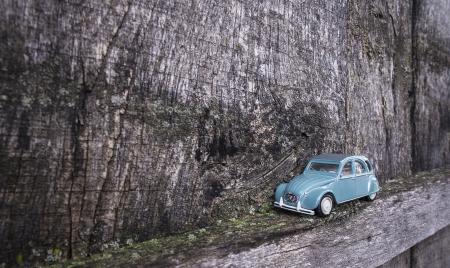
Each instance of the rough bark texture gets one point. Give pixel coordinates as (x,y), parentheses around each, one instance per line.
(131,118)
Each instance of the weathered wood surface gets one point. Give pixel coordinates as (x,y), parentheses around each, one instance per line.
(358,234)
(376,234)
(127,119)
(431,252)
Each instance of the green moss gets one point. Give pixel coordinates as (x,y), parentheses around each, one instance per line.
(154,243)
(267,223)
(76,264)
(19,259)
(266,209)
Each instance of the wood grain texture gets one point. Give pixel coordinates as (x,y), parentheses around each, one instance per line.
(127,119)
(357,234)
(431,252)
(375,235)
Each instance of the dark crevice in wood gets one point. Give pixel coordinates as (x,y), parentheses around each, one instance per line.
(415,9)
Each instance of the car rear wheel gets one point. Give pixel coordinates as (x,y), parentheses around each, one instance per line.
(325,206)
(371,197)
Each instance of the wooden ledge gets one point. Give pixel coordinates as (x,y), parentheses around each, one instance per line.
(381,231)
(359,233)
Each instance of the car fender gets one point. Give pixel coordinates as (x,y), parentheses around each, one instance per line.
(373,185)
(312,198)
(279,191)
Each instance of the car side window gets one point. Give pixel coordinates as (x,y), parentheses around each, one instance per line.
(360,168)
(347,169)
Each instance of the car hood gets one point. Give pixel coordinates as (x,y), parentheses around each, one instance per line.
(306,182)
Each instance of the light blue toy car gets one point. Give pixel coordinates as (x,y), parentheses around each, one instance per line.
(328,179)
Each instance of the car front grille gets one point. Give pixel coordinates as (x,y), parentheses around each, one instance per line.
(290,198)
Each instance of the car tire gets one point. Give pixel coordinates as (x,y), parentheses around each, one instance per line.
(371,197)
(325,206)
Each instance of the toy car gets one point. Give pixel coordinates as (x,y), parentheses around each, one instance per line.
(327,180)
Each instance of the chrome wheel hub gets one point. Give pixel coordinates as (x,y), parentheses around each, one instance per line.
(326,205)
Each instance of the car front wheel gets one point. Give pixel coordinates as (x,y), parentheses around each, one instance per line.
(325,206)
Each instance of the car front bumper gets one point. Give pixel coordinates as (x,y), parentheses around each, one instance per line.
(298,208)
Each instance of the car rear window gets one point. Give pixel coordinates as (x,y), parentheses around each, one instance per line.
(324,167)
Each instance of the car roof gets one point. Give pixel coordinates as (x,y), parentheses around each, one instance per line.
(336,157)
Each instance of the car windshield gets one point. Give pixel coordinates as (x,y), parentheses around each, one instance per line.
(323,167)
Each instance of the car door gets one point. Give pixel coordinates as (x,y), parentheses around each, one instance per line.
(361,178)
(345,186)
